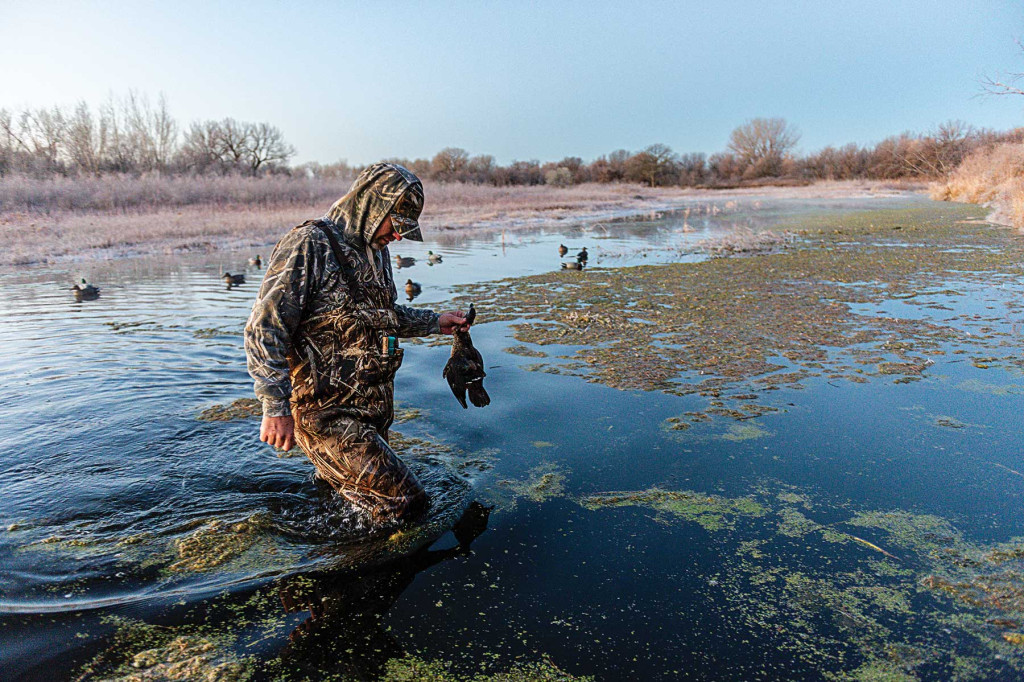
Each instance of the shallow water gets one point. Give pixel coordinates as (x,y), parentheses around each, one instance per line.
(118,501)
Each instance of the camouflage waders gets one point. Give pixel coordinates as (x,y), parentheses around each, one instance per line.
(316,344)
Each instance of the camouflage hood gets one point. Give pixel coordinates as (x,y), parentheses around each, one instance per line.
(373,195)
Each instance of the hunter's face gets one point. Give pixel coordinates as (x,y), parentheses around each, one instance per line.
(384,235)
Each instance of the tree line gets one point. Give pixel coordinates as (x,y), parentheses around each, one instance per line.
(131,135)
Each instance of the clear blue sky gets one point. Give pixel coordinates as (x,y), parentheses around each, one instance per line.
(362,81)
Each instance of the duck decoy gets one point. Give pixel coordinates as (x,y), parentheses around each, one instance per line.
(257,261)
(433,257)
(412,289)
(573,265)
(465,369)
(404,262)
(581,257)
(232,280)
(85,291)
(562,249)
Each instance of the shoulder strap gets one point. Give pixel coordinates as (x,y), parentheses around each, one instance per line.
(331,238)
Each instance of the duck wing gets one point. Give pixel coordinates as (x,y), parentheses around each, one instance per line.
(454,375)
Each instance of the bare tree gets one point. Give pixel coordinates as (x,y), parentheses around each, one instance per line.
(448,163)
(1004,84)
(266,146)
(762,144)
(86,140)
(655,165)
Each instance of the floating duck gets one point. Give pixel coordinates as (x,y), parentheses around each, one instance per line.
(562,249)
(465,368)
(573,265)
(412,289)
(404,262)
(581,257)
(433,257)
(232,280)
(85,291)
(257,261)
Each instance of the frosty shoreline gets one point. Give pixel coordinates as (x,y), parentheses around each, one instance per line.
(452,212)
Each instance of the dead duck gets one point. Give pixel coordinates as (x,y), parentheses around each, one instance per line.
(581,257)
(85,291)
(257,261)
(433,257)
(232,280)
(562,249)
(404,262)
(573,265)
(413,289)
(465,369)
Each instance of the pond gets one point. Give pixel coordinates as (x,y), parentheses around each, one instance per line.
(857,517)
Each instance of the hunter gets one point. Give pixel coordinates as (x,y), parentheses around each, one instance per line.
(322,348)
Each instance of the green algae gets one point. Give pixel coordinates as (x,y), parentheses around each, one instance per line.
(846,607)
(741,432)
(243,408)
(525,351)
(542,483)
(408,414)
(711,512)
(773,320)
(416,669)
(216,543)
(139,651)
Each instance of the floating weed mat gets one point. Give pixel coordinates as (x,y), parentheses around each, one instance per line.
(138,652)
(877,595)
(725,327)
(243,408)
(300,628)
(415,669)
(711,512)
(542,483)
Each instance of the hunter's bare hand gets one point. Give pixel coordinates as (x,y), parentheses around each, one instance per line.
(453,321)
(278,431)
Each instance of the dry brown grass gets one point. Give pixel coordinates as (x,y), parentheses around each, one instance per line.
(993,176)
(59,220)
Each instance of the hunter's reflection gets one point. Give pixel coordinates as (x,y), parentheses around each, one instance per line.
(344,634)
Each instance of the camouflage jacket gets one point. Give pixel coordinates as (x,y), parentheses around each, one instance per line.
(315,335)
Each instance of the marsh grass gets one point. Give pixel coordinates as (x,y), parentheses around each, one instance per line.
(992,176)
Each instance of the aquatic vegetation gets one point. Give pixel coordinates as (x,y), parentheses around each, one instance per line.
(543,483)
(139,651)
(407,415)
(711,512)
(217,542)
(748,431)
(243,408)
(415,669)
(747,325)
(943,604)
(525,351)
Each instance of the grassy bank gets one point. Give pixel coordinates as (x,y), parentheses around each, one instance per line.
(94,218)
(992,176)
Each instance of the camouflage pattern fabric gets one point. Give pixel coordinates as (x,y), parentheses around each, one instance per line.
(314,343)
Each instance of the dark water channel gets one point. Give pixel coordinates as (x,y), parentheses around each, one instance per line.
(108,480)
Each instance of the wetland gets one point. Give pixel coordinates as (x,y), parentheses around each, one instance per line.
(750,440)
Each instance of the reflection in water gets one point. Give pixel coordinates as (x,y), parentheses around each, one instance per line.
(346,633)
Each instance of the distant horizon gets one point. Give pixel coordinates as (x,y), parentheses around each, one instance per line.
(358,84)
